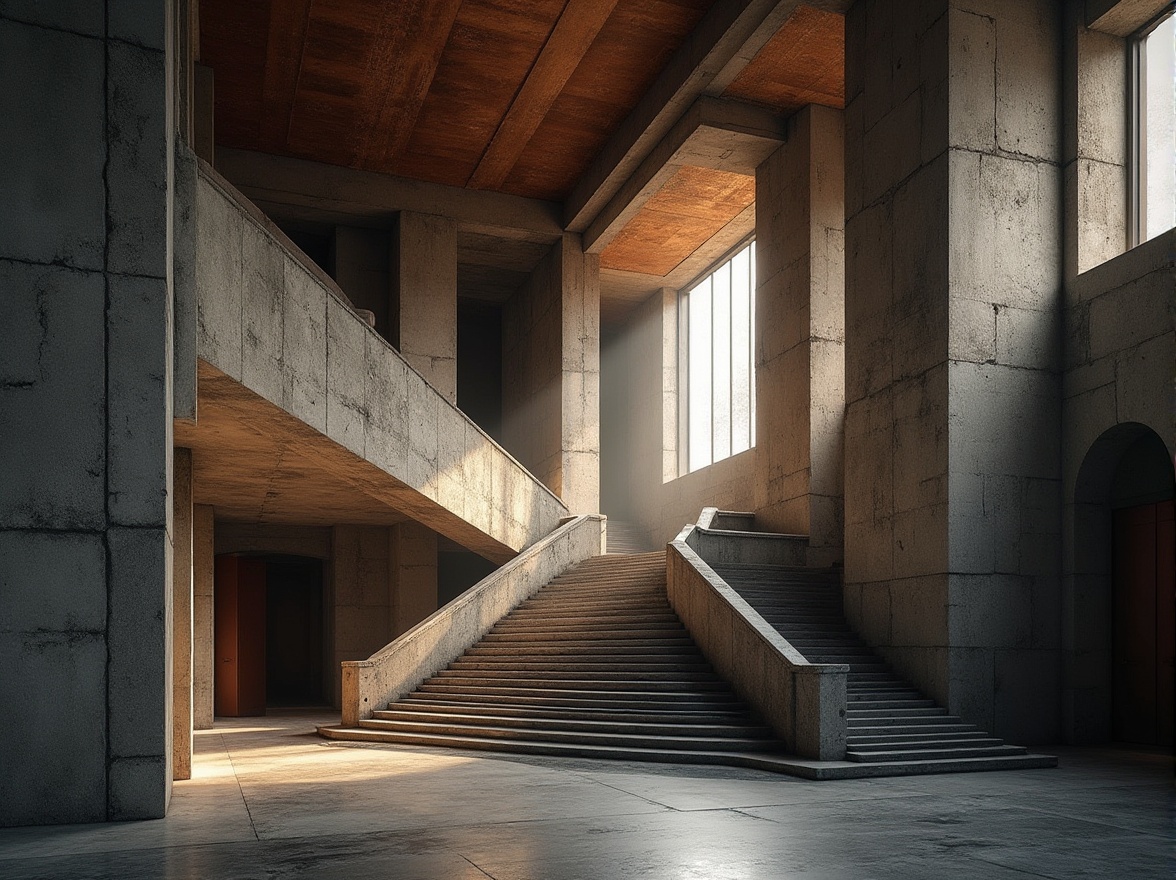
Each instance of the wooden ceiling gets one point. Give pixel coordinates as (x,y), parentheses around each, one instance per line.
(511,96)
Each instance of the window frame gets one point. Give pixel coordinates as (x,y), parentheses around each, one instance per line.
(1137,128)
(683,366)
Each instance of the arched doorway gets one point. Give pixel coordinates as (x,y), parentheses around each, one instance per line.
(1124,569)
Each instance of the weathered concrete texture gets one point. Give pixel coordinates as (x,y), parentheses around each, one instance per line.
(1095,144)
(423,277)
(203,614)
(952,505)
(551,374)
(362,587)
(182,597)
(641,375)
(1118,385)
(805,707)
(413,565)
(434,642)
(278,329)
(800,329)
(85,384)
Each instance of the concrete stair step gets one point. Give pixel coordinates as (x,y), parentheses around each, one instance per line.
(395,733)
(555,653)
(932,711)
(862,745)
(936,754)
(608,700)
(536,723)
(919,703)
(582,637)
(627,714)
(899,718)
(612,691)
(575,677)
(914,731)
(616,622)
(641,663)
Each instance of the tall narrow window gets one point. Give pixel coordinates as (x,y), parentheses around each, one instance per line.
(1154,129)
(718,326)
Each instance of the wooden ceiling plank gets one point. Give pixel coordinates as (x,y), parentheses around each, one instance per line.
(570,39)
(285,45)
(400,71)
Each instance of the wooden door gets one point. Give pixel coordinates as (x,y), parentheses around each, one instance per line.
(239,639)
(1144,623)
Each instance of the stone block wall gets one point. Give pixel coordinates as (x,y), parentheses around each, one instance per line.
(85,405)
(953,286)
(551,374)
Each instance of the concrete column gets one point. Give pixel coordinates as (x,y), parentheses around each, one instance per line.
(203,615)
(424,296)
(1095,144)
(800,330)
(85,404)
(413,551)
(182,595)
(551,374)
(362,576)
(953,273)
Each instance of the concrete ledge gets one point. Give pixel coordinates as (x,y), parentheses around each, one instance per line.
(804,703)
(427,648)
(718,539)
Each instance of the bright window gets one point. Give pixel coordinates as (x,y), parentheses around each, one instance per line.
(1154,129)
(718,331)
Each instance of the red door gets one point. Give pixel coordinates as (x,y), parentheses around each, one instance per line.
(1144,623)
(239,636)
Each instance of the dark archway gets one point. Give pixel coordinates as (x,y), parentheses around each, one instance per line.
(1120,615)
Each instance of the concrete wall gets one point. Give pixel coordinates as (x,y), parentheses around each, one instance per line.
(953,283)
(641,418)
(182,619)
(283,331)
(1119,381)
(800,330)
(423,278)
(551,374)
(85,404)
(203,614)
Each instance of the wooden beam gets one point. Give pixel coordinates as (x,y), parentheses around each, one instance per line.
(400,70)
(333,194)
(707,54)
(577,27)
(713,133)
(284,46)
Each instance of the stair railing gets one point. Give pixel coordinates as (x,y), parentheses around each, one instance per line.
(804,703)
(398,668)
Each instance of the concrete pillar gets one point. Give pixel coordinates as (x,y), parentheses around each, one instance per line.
(953,273)
(800,330)
(182,615)
(551,374)
(85,404)
(424,296)
(413,553)
(1095,144)
(203,615)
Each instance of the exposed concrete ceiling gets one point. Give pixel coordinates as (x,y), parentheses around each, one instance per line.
(590,115)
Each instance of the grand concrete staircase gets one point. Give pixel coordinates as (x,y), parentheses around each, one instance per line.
(596,664)
(890,721)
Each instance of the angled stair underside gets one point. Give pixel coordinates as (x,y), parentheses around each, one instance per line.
(891,724)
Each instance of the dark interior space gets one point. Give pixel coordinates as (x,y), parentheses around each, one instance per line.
(457,571)
(1144,596)
(294,632)
(479,364)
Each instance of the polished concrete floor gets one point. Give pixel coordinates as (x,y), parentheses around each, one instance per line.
(271,800)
